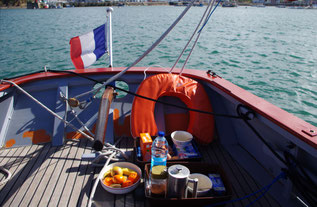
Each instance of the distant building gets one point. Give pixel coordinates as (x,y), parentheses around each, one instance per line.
(258,1)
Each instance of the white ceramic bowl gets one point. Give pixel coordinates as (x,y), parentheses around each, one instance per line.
(123,165)
(204,184)
(181,138)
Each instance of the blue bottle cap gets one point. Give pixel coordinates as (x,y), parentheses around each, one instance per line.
(161,134)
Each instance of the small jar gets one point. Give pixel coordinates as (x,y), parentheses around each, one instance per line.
(158,181)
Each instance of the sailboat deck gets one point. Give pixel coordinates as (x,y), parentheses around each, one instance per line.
(43,175)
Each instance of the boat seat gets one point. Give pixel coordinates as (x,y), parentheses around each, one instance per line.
(189,91)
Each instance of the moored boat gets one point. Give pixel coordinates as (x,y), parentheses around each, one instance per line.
(253,140)
(229,4)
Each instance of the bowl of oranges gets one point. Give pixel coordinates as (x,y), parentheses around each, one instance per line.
(120,177)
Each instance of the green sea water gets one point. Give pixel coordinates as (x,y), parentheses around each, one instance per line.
(271,52)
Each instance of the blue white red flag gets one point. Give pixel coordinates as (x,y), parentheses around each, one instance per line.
(88,48)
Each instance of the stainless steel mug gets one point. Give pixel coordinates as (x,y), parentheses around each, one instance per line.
(177,182)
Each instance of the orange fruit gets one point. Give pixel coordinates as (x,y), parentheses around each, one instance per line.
(108,181)
(127,183)
(118,179)
(134,177)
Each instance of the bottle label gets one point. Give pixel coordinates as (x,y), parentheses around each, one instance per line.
(158,161)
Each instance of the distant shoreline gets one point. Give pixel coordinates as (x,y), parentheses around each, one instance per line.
(95,4)
(13,7)
(118,4)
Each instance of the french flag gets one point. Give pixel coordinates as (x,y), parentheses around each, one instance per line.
(88,48)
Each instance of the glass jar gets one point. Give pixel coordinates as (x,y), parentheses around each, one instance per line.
(158,181)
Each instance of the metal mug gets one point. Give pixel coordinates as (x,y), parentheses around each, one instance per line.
(178,179)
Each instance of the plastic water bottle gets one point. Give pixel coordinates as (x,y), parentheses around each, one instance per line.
(159,150)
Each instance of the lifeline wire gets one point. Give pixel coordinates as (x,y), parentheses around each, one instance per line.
(113,78)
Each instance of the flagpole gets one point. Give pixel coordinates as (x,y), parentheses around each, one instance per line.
(109,11)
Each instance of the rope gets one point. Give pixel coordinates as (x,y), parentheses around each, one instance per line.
(245,119)
(111,157)
(115,77)
(8,177)
(93,190)
(264,190)
(48,109)
(109,149)
(299,177)
(154,66)
(301,180)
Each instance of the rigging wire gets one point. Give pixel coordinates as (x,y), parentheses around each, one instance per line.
(210,12)
(210,5)
(301,180)
(196,40)
(209,16)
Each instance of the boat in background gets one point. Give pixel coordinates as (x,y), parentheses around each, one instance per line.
(199,4)
(259,5)
(229,3)
(120,4)
(46,4)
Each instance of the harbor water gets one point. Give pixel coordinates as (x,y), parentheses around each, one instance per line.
(271,52)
